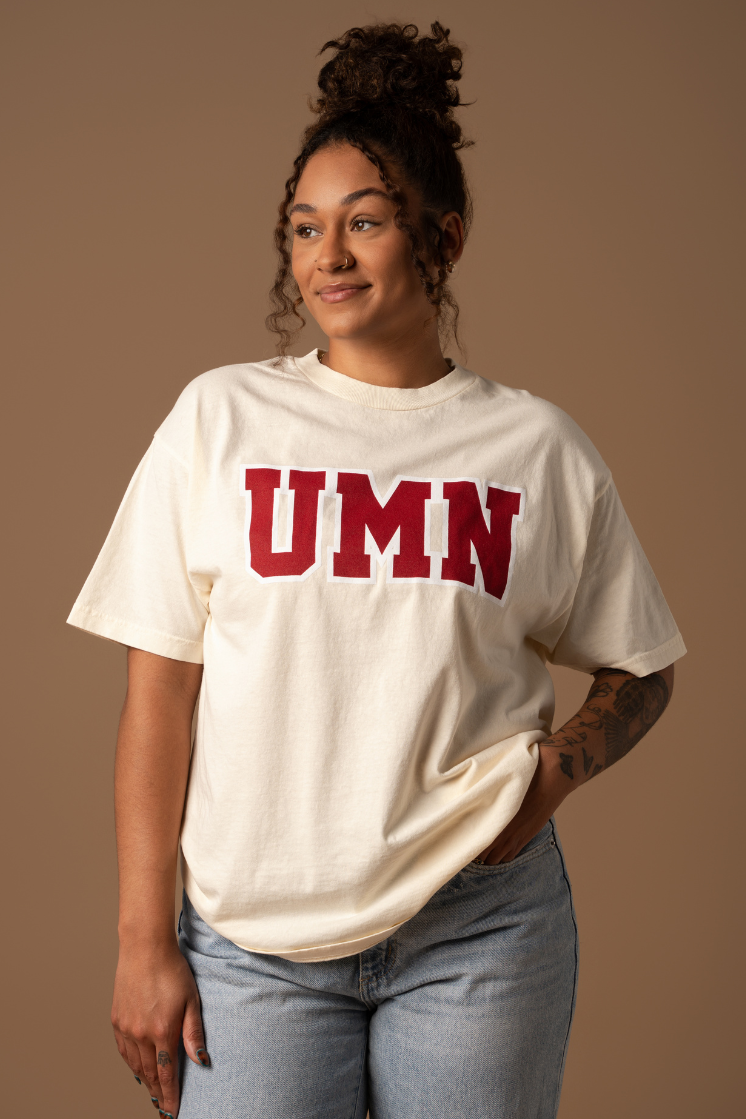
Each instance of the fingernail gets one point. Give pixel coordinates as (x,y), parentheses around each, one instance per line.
(205,1060)
(154,1102)
(137,1078)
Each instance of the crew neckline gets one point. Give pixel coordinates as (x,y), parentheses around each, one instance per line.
(379,396)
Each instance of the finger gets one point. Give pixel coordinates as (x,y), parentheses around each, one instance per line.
(519,842)
(193,1033)
(500,845)
(121,1046)
(499,848)
(149,1074)
(131,1055)
(504,852)
(483,856)
(510,854)
(167,1058)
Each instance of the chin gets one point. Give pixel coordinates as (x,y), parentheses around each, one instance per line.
(343,326)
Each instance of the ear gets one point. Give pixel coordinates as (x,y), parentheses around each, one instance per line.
(452,241)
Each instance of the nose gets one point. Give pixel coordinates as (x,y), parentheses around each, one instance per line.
(334,256)
(340,263)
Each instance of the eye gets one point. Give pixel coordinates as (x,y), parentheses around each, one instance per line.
(360,225)
(305,231)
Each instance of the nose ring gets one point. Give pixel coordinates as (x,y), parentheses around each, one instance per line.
(345,265)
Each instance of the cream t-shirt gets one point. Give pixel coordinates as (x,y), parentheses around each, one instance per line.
(374,579)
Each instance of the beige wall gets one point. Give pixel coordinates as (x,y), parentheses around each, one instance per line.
(146,144)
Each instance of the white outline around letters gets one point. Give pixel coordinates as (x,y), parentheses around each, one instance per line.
(482,491)
(377,558)
(284,488)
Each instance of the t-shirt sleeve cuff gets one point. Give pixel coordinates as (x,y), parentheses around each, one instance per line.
(136,636)
(645,663)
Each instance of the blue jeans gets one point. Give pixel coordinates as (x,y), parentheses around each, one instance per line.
(464,1013)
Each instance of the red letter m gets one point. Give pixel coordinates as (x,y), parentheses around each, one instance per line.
(302,492)
(365,522)
(467,529)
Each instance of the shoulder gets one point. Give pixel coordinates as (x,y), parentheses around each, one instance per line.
(539,418)
(549,435)
(220,384)
(209,402)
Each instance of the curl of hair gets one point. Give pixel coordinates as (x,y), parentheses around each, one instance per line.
(390,92)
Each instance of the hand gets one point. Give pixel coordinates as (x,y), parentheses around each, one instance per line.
(155,1003)
(548,788)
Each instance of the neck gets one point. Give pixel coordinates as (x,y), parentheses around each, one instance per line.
(401,363)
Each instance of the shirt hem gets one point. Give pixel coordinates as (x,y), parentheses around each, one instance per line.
(319,953)
(645,663)
(641,664)
(330,951)
(135,636)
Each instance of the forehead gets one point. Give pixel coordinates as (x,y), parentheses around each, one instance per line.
(333,173)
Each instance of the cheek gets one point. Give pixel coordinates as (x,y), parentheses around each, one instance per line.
(299,265)
(304,254)
(394,267)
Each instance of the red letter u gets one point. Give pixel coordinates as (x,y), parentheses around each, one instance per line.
(306,488)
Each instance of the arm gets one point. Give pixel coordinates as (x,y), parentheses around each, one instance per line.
(155,996)
(619,711)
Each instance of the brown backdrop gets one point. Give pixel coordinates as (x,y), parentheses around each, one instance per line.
(146,143)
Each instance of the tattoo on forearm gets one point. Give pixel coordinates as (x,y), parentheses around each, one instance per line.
(617,714)
(566,761)
(575,732)
(638,704)
(163,1058)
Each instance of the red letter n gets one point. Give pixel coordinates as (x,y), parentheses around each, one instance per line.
(304,490)
(362,514)
(467,527)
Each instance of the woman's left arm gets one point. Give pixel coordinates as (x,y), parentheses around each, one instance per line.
(619,711)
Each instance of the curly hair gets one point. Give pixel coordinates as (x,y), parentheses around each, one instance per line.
(389,92)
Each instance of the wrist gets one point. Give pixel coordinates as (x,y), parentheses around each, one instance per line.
(138,936)
(557,776)
(144,953)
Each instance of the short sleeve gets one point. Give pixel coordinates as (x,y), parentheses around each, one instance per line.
(140,592)
(619,617)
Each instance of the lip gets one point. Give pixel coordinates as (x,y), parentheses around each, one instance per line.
(338,293)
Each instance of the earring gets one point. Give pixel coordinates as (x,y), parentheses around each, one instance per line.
(450,267)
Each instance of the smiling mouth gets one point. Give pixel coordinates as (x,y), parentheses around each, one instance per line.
(338,293)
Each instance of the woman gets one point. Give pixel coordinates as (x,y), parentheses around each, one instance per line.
(360,562)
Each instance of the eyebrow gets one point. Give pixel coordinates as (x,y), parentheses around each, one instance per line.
(305,208)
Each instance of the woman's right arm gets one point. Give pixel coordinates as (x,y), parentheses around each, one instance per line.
(155,996)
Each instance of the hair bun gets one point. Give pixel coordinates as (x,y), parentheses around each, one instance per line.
(391,63)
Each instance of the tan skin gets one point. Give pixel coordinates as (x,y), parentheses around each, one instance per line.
(381,332)
(155,996)
(385,333)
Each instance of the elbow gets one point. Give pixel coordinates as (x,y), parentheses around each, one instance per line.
(667,675)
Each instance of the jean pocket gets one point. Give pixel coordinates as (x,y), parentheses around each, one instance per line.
(542,842)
